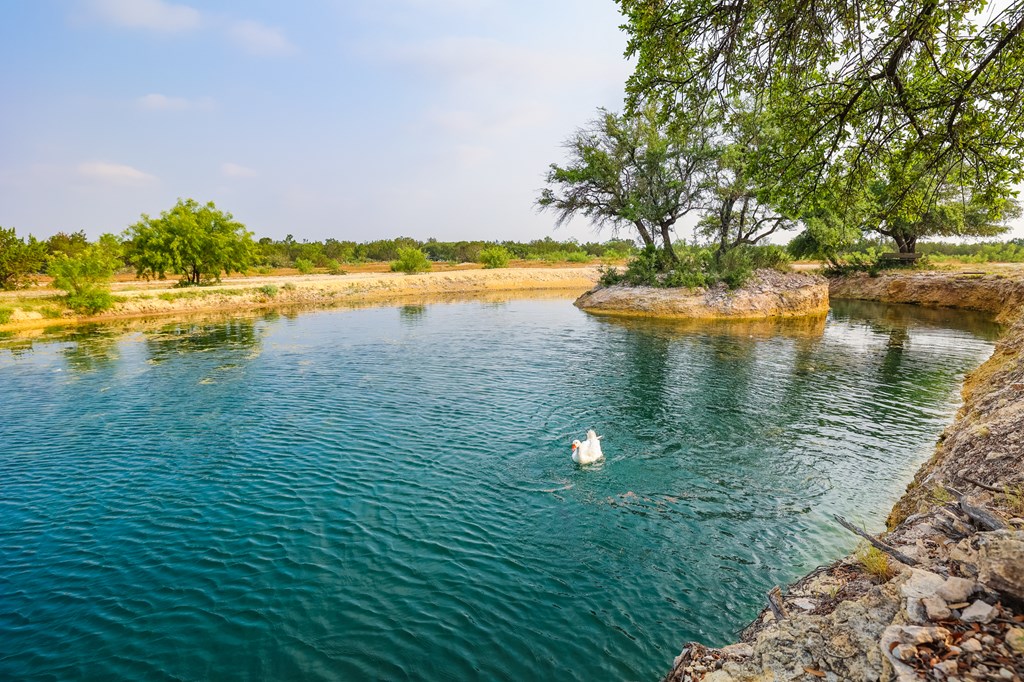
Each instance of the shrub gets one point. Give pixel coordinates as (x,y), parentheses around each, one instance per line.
(269,290)
(50,312)
(495,257)
(5,315)
(90,302)
(304,266)
(288,286)
(20,260)
(86,276)
(334,268)
(578,257)
(263,270)
(410,260)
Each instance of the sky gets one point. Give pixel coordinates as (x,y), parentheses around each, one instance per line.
(352,119)
(349,119)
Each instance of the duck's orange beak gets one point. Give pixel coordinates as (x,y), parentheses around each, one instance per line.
(574,446)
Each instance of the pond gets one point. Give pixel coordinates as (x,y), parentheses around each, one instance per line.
(387,493)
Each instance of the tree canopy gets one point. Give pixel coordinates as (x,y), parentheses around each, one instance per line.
(197,241)
(19,259)
(936,86)
(632,171)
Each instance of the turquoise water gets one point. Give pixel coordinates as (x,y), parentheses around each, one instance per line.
(388,494)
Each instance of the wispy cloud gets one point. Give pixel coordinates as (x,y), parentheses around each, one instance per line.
(260,39)
(157,102)
(234,170)
(114,173)
(514,118)
(155,15)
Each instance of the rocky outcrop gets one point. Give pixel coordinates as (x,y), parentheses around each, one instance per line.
(955,611)
(768,294)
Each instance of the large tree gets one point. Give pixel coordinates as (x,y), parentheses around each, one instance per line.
(19,259)
(854,84)
(633,171)
(197,241)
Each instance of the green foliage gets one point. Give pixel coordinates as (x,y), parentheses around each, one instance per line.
(198,241)
(68,244)
(577,257)
(304,266)
(50,312)
(334,268)
(5,315)
(263,270)
(410,260)
(494,257)
(698,267)
(20,260)
(933,88)
(268,290)
(86,276)
(984,252)
(875,562)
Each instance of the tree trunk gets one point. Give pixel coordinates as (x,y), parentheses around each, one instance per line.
(666,241)
(906,244)
(645,234)
(724,221)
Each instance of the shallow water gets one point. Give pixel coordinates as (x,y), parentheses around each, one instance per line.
(387,493)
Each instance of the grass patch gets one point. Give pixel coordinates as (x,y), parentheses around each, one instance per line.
(940,495)
(269,290)
(1013,496)
(875,562)
(287,286)
(51,312)
(5,315)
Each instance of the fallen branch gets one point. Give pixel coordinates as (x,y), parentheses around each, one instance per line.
(978,515)
(878,544)
(983,486)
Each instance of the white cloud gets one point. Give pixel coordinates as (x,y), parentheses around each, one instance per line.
(152,14)
(260,39)
(234,170)
(114,173)
(516,117)
(158,102)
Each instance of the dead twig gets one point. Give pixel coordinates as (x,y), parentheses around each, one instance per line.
(878,544)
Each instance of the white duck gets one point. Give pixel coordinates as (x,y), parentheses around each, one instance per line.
(588,451)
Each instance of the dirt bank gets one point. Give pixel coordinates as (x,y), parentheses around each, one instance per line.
(768,294)
(305,291)
(951,606)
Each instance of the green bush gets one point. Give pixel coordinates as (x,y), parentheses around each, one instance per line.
(577,257)
(495,257)
(50,312)
(697,267)
(90,302)
(288,286)
(304,266)
(410,260)
(5,315)
(268,290)
(334,268)
(263,270)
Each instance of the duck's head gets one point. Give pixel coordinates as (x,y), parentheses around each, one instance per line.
(575,445)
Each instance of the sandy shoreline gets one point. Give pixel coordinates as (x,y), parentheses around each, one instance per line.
(309,291)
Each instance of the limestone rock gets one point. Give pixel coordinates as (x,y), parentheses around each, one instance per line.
(956,589)
(1015,640)
(1001,563)
(936,608)
(978,612)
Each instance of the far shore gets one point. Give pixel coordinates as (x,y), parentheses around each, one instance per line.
(43,307)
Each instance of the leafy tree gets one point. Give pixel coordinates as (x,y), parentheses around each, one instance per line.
(197,241)
(69,244)
(632,171)
(86,275)
(19,259)
(939,82)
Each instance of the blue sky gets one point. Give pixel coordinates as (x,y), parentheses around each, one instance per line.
(321,118)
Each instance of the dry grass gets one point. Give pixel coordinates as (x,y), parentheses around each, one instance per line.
(875,562)
(1013,497)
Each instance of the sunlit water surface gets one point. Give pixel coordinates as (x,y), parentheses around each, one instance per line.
(387,493)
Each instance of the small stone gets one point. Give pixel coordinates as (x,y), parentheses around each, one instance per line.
(956,589)
(978,612)
(947,668)
(988,640)
(959,605)
(914,634)
(971,646)
(936,608)
(999,563)
(1015,639)
(993,456)
(803,603)
(741,650)
(905,652)
(1005,674)
(921,584)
